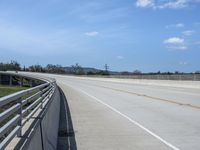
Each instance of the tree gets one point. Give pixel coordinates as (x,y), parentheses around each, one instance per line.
(13,65)
(36,68)
(137,72)
(24,68)
(125,73)
(197,72)
(176,72)
(55,69)
(77,69)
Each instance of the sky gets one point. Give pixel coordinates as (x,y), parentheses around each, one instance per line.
(147,35)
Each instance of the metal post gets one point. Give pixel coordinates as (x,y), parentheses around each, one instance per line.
(0,79)
(41,99)
(10,81)
(21,81)
(19,134)
(31,83)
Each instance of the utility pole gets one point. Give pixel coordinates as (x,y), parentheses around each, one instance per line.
(106,67)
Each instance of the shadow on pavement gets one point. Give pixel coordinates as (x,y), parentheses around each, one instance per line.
(66,135)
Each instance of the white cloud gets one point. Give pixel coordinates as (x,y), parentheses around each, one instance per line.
(175,4)
(188,32)
(171,4)
(93,33)
(177,47)
(120,57)
(144,3)
(174,40)
(183,63)
(178,25)
(175,43)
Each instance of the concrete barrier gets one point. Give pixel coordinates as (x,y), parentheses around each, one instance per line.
(184,77)
(168,83)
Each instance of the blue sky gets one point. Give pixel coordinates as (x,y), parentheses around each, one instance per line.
(148,35)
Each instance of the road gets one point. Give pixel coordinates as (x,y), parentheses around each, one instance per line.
(124,116)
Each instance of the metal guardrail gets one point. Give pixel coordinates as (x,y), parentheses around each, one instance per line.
(20,107)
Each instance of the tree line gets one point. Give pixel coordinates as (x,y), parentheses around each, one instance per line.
(50,68)
(13,65)
(74,69)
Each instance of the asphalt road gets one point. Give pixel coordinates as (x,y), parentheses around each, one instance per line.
(121,116)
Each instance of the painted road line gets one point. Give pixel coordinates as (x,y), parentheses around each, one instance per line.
(131,120)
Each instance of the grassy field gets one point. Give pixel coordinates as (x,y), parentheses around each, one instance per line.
(6,90)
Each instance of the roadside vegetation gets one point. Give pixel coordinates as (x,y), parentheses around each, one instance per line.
(6,90)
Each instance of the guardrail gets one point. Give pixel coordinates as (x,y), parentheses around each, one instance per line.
(18,108)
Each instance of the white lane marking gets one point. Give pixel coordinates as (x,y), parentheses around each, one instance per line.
(133,121)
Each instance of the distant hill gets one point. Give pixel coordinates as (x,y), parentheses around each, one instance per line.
(89,70)
(85,69)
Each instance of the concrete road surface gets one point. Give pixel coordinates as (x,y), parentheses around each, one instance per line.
(125,116)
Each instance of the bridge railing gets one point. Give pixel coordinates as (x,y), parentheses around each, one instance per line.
(18,108)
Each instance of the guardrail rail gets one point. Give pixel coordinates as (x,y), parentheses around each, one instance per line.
(18,108)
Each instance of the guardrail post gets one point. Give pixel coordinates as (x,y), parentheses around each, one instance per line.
(19,134)
(0,79)
(21,81)
(31,83)
(41,98)
(10,80)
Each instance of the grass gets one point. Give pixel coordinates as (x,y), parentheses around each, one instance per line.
(6,90)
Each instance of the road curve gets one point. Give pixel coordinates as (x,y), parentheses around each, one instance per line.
(121,116)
